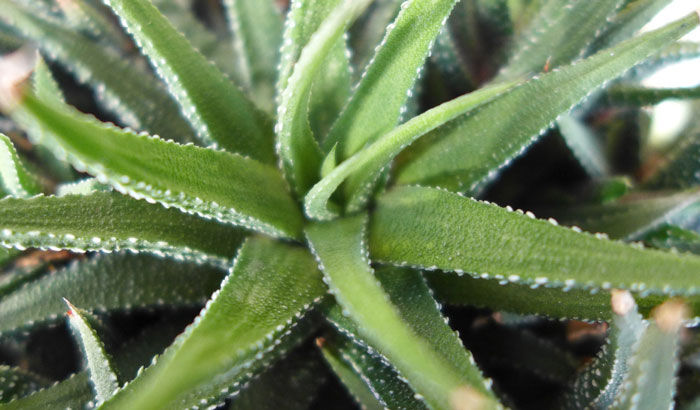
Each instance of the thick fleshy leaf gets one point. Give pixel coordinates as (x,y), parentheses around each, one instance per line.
(108,283)
(363,169)
(16,383)
(632,17)
(340,249)
(116,222)
(74,392)
(375,106)
(217,110)
(435,229)
(372,382)
(651,380)
(551,40)
(331,87)
(297,147)
(214,184)
(257,32)
(103,377)
(270,287)
(15,180)
(555,303)
(599,383)
(637,95)
(133,95)
(467,153)
(632,216)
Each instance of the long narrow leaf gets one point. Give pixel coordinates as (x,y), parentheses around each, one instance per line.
(74,392)
(297,148)
(466,154)
(115,222)
(375,106)
(362,169)
(257,31)
(271,285)
(16,383)
(15,180)
(133,95)
(216,109)
(339,246)
(102,374)
(228,187)
(486,241)
(108,283)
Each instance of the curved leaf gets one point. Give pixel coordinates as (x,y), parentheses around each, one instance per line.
(375,106)
(270,287)
(16,383)
(15,180)
(103,377)
(467,153)
(213,184)
(134,96)
(217,110)
(297,148)
(362,169)
(74,392)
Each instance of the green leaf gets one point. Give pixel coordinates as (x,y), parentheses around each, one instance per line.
(632,216)
(585,146)
(434,229)
(16,383)
(213,184)
(15,180)
(182,16)
(297,148)
(372,382)
(116,222)
(6,255)
(651,380)
(363,169)
(599,383)
(271,286)
(551,40)
(216,109)
(339,246)
(467,153)
(134,96)
(74,392)
(107,283)
(370,29)
(674,237)
(257,32)
(637,95)
(375,106)
(633,16)
(103,377)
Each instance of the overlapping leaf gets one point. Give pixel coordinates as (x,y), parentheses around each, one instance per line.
(339,246)
(467,153)
(15,180)
(270,287)
(108,283)
(217,110)
(214,184)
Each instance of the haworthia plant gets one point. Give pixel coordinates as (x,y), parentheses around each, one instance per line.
(349,159)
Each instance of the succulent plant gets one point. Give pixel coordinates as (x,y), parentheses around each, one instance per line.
(321,176)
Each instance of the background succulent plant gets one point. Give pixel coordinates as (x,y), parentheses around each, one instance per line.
(321,175)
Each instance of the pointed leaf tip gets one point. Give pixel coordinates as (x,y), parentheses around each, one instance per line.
(15,69)
(622,301)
